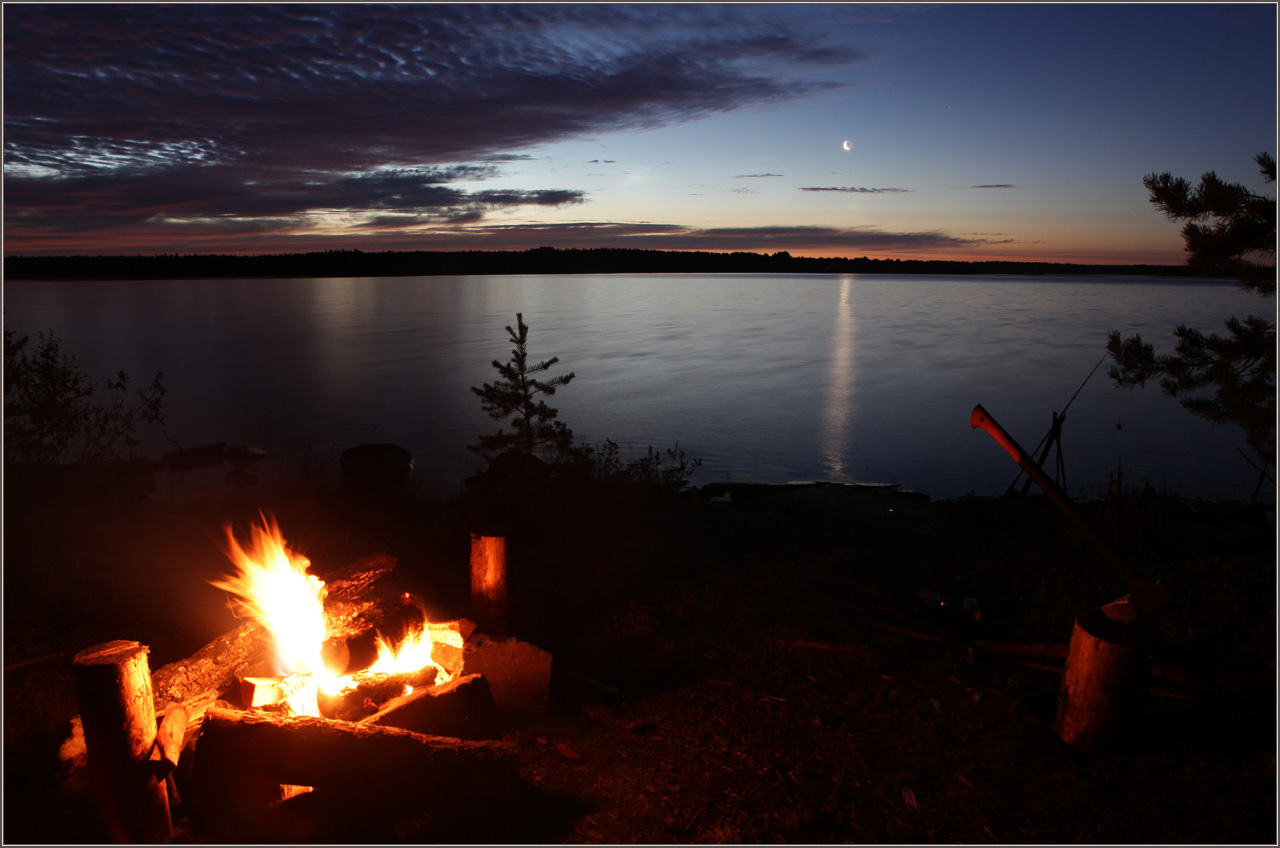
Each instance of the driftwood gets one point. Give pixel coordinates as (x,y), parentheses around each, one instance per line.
(113,689)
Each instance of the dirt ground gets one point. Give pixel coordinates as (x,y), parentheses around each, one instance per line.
(776,669)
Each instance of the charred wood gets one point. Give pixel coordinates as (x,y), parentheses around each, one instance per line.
(462,708)
(372,691)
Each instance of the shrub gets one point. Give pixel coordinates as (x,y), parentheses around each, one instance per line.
(49,415)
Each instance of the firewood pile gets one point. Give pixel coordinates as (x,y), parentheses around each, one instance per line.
(212,741)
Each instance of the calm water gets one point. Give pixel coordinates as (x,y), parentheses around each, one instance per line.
(768,378)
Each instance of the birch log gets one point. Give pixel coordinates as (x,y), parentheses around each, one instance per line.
(113,688)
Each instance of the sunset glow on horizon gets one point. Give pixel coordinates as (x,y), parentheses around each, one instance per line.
(947,132)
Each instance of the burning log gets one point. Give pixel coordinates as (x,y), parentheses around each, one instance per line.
(462,708)
(372,691)
(236,746)
(214,670)
(448,642)
(489,582)
(257,692)
(113,688)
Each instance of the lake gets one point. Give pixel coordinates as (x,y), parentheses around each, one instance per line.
(766,377)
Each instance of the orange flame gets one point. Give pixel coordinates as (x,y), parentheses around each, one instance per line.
(414,650)
(272,585)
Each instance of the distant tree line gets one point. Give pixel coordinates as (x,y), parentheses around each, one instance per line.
(540,260)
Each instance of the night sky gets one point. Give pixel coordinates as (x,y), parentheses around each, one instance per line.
(974,131)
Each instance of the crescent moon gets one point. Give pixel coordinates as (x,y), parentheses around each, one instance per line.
(847,145)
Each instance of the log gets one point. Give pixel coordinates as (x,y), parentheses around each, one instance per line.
(448,642)
(214,670)
(519,675)
(1103,684)
(167,748)
(462,708)
(214,667)
(372,691)
(356,580)
(113,688)
(489,582)
(235,745)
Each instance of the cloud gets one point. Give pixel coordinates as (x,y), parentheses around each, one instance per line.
(405,232)
(755,176)
(856,190)
(116,112)
(995,185)
(92,201)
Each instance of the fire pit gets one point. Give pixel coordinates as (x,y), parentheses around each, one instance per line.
(328,688)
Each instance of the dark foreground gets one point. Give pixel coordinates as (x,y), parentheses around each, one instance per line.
(761,671)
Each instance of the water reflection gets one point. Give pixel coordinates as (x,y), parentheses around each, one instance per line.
(837,416)
(308,368)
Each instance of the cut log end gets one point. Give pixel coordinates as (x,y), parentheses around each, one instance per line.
(1103,684)
(117,709)
(111,653)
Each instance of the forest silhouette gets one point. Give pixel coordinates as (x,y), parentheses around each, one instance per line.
(540,260)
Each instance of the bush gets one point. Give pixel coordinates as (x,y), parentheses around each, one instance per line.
(49,416)
(670,471)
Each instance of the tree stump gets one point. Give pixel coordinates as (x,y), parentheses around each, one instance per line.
(113,689)
(1103,684)
(489,582)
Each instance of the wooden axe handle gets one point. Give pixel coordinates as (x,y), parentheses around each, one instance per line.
(1146,596)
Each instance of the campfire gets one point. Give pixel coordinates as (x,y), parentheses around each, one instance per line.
(327,688)
(310,660)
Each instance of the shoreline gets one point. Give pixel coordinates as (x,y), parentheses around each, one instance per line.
(543,260)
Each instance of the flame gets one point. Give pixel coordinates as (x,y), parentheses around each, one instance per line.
(272,585)
(414,650)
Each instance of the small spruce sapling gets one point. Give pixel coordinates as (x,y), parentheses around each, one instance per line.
(516,395)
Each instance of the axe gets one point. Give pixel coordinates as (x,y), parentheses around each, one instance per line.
(1144,596)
